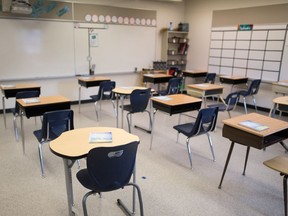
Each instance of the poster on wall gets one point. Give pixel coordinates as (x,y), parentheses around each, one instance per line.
(93,40)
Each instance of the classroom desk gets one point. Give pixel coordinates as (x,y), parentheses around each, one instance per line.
(204,90)
(88,82)
(122,92)
(280,87)
(233,80)
(193,74)
(73,145)
(9,91)
(156,79)
(277,132)
(46,104)
(279,103)
(173,104)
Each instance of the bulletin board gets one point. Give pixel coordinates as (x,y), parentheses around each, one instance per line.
(257,53)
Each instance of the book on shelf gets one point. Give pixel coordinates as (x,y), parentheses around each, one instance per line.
(100,137)
(253,125)
(30,100)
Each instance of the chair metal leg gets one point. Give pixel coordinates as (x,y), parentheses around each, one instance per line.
(211,146)
(189,152)
(129,127)
(254,101)
(41,158)
(84,202)
(96,110)
(177,137)
(114,107)
(139,198)
(15,128)
(245,106)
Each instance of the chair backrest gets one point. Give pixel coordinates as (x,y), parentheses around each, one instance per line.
(174,86)
(139,99)
(231,100)
(210,78)
(56,122)
(205,121)
(25,94)
(254,87)
(110,168)
(105,90)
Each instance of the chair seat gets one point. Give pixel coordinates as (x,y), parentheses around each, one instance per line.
(97,97)
(243,93)
(38,135)
(84,178)
(221,106)
(186,129)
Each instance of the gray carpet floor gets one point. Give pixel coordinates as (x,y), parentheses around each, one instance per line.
(169,187)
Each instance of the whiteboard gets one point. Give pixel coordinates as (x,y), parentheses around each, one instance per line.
(41,49)
(120,48)
(35,49)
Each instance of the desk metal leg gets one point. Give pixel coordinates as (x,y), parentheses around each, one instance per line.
(285,193)
(246,159)
(284,146)
(122,110)
(152,128)
(69,189)
(226,164)
(4,110)
(79,102)
(117,110)
(22,132)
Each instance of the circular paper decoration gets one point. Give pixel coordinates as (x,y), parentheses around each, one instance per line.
(88,17)
(114,19)
(120,19)
(143,21)
(126,20)
(148,22)
(153,22)
(132,20)
(138,21)
(95,18)
(101,18)
(108,18)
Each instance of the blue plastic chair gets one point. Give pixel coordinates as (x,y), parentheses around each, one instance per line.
(109,169)
(210,78)
(104,93)
(230,103)
(139,100)
(251,91)
(205,122)
(53,125)
(173,87)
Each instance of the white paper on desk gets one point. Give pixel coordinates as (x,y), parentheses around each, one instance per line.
(31,100)
(164,98)
(100,137)
(202,85)
(254,125)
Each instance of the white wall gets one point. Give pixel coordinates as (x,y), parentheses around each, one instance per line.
(199,16)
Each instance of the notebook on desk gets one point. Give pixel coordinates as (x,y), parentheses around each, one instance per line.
(31,100)
(100,137)
(253,125)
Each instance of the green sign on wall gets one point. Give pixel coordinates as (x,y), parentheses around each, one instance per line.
(245,27)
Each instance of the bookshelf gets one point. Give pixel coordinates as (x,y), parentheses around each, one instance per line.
(174,49)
